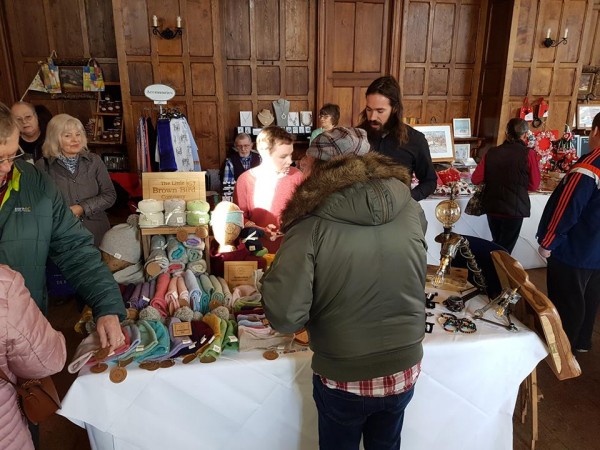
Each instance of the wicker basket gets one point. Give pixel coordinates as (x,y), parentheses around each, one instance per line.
(550,180)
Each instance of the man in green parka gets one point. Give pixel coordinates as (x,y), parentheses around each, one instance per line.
(35,222)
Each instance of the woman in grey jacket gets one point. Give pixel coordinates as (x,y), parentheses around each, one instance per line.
(80,175)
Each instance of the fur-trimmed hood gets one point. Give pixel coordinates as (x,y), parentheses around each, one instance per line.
(366,190)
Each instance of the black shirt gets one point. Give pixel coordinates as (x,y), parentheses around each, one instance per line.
(33,149)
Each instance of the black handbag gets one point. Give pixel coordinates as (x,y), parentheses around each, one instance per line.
(475,204)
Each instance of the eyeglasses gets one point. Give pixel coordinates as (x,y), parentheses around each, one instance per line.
(11,159)
(24,119)
(239,146)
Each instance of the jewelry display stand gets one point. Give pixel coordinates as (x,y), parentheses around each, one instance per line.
(282,109)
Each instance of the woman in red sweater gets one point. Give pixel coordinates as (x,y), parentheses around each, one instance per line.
(263,191)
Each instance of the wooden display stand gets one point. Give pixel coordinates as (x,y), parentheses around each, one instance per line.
(539,314)
(170,185)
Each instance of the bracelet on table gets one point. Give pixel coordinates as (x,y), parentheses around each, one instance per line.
(451,325)
(448,316)
(467,326)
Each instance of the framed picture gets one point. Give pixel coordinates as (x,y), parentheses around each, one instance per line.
(71,78)
(462,127)
(439,138)
(586,84)
(462,152)
(585,115)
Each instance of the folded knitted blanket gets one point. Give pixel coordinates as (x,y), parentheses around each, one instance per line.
(176,251)
(217,294)
(171,297)
(158,301)
(193,241)
(197,267)
(193,289)
(193,254)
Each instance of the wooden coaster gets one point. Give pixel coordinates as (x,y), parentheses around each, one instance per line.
(202,231)
(182,236)
(125,362)
(207,359)
(102,354)
(150,365)
(301,337)
(270,355)
(117,374)
(189,358)
(167,363)
(99,368)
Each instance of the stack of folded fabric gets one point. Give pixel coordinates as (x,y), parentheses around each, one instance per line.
(177,255)
(254,332)
(175,212)
(197,212)
(157,261)
(151,213)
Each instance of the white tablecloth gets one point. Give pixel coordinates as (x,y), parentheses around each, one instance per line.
(526,249)
(464,398)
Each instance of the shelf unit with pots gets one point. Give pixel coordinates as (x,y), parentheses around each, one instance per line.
(108,117)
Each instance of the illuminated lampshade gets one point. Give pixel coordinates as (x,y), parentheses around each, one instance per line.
(447,212)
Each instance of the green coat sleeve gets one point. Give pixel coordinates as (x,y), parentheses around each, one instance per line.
(72,249)
(287,288)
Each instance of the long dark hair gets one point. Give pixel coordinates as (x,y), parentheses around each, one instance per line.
(390,89)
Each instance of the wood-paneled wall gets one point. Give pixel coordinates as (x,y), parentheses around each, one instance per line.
(522,67)
(73,28)
(234,55)
(469,58)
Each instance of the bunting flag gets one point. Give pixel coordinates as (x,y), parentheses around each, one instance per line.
(36,85)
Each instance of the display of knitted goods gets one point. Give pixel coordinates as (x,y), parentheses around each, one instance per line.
(175,215)
(254,333)
(227,220)
(151,213)
(198,212)
(459,188)
(250,237)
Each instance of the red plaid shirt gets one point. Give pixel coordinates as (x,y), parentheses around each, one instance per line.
(394,384)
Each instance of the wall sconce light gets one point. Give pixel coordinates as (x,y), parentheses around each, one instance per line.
(167,33)
(548,42)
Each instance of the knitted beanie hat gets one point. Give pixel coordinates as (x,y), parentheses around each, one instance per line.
(123,241)
(339,141)
(85,350)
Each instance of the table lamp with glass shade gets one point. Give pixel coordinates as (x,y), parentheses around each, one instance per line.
(448,212)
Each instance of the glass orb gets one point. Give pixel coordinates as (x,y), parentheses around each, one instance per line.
(447,212)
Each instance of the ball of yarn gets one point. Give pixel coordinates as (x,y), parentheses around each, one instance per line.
(185,314)
(149,313)
(198,315)
(222,312)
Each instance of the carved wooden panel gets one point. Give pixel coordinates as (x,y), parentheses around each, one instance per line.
(355,36)
(172,74)
(369,16)
(140,76)
(135,24)
(441,62)
(520,81)
(297,44)
(204,125)
(267,34)
(101,30)
(239,80)
(199,27)
(274,60)
(565,82)
(203,79)
(237,29)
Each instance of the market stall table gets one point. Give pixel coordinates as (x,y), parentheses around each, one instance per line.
(526,249)
(466,392)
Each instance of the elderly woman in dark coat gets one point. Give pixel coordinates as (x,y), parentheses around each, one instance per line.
(80,175)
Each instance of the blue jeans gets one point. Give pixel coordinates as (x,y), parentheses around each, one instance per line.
(345,417)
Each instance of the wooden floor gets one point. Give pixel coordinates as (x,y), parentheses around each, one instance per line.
(569,412)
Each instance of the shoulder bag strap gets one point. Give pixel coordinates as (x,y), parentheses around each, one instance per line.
(5,377)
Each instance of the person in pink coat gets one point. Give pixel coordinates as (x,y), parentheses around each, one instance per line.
(29,348)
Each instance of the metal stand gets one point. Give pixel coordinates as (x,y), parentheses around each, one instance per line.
(502,308)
